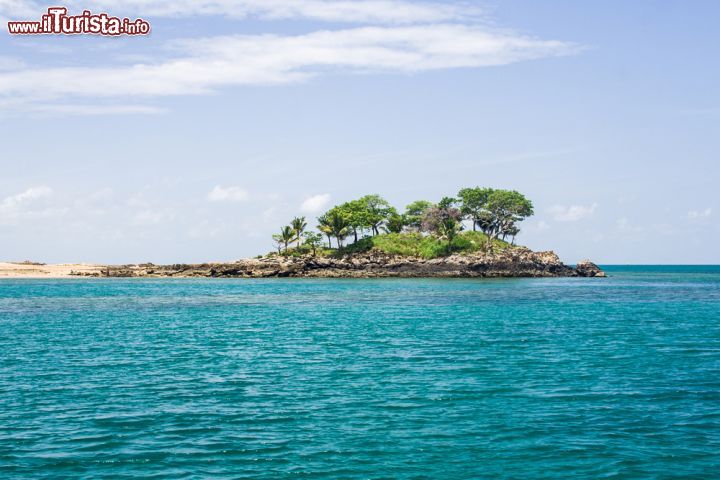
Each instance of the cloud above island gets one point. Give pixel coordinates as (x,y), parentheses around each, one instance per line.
(397,37)
(315,203)
(571,213)
(29,203)
(227,194)
(208,64)
(14,201)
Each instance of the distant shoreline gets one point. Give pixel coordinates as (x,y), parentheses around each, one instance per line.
(40,270)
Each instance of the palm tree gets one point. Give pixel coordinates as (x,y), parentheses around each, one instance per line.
(287,235)
(278,239)
(325,227)
(339,226)
(299,225)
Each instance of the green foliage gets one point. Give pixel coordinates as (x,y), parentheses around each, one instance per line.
(338,224)
(325,227)
(496,212)
(371,212)
(447,202)
(424,246)
(313,241)
(443,220)
(408,244)
(278,239)
(298,225)
(377,211)
(477,241)
(463,244)
(395,223)
(472,203)
(505,208)
(415,212)
(283,239)
(356,214)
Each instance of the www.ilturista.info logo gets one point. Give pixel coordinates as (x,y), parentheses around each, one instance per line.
(58,22)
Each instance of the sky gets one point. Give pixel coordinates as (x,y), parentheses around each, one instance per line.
(201,140)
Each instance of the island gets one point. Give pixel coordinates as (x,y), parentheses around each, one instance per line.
(471,235)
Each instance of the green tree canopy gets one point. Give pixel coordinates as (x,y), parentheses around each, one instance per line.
(357,216)
(278,239)
(415,212)
(312,240)
(496,212)
(472,204)
(287,235)
(325,227)
(299,225)
(504,209)
(395,223)
(377,211)
(338,224)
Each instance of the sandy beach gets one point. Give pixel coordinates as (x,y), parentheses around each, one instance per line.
(35,270)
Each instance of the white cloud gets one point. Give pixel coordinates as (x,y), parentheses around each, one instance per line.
(27,204)
(315,203)
(364,11)
(206,65)
(89,110)
(571,213)
(227,194)
(700,214)
(16,201)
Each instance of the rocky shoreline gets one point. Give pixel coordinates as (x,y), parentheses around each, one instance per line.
(516,262)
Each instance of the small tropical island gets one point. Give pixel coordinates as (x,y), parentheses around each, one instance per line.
(469,235)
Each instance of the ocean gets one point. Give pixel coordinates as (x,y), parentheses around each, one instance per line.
(363,379)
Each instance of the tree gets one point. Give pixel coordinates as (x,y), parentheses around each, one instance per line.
(278,242)
(395,223)
(377,211)
(511,231)
(287,235)
(504,209)
(415,212)
(447,202)
(338,225)
(443,220)
(313,240)
(357,216)
(325,227)
(472,204)
(484,221)
(299,225)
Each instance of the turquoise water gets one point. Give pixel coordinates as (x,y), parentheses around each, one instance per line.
(363,379)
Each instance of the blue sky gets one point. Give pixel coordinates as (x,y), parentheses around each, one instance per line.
(198,142)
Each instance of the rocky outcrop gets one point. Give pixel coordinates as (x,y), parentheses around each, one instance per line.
(516,262)
(586,268)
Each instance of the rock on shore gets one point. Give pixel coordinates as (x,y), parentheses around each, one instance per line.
(586,268)
(516,262)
